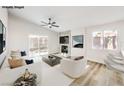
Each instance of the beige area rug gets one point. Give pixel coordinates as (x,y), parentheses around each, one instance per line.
(53,76)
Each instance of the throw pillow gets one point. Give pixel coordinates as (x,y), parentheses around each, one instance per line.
(122,53)
(29,61)
(15,54)
(23,53)
(15,62)
(79,58)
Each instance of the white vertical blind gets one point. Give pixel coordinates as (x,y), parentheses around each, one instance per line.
(105,40)
(38,45)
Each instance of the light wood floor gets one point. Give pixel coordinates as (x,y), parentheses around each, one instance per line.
(99,75)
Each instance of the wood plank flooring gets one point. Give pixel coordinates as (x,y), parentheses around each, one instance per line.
(97,74)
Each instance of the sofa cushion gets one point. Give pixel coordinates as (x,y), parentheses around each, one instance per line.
(79,58)
(16,62)
(122,53)
(15,54)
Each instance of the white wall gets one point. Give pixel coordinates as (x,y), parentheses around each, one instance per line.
(20,29)
(78,51)
(4,19)
(97,54)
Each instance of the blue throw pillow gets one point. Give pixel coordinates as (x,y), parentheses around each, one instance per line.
(23,53)
(29,61)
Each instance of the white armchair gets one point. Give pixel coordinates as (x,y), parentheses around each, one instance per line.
(73,68)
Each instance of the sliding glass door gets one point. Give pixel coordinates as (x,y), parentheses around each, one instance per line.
(38,45)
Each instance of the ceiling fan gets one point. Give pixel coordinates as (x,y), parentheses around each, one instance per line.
(50,24)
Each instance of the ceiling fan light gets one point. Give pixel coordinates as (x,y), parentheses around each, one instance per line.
(50,26)
(53,22)
(49,18)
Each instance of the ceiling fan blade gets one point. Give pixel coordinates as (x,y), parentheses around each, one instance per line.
(44,22)
(50,26)
(44,25)
(53,22)
(55,25)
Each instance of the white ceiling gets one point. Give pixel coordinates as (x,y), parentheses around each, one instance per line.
(70,17)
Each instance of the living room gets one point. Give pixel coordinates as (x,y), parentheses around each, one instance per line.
(62,45)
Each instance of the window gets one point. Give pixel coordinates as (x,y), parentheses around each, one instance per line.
(38,45)
(104,40)
(43,44)
(110,39)
(97,40)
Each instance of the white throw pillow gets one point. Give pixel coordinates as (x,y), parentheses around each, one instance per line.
(15,54)
(122,53)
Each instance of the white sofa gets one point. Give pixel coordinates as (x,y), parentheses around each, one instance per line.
(73,68)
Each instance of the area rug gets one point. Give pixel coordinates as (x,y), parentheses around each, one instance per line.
(53,76)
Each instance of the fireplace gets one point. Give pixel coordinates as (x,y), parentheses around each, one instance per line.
(64,49)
